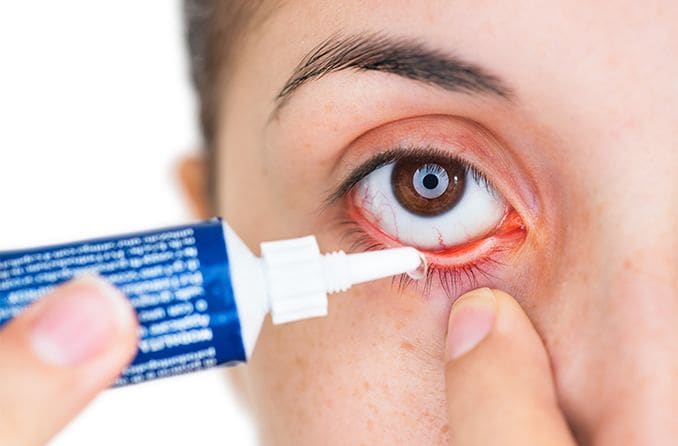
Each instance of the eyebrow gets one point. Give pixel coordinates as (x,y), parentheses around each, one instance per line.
(400,56)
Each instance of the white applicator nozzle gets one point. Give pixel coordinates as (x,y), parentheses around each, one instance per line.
(345,270)
(299,277)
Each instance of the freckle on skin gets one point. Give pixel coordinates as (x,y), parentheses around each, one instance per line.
(407,346)
(299,361)
(366,386)
(370,425)
(444,429)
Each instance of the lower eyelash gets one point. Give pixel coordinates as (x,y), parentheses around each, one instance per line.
(453,280)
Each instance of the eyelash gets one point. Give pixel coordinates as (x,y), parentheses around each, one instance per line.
(397,154)
(453,280)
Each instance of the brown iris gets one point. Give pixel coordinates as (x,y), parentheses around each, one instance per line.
(428,186)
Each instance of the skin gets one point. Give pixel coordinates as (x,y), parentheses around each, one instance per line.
(592,134)
(587,347)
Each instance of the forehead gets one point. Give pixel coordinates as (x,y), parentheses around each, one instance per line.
(490,17)
(505,34)
(543,48)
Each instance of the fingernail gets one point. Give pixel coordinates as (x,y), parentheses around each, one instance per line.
(78,322)
(471,319)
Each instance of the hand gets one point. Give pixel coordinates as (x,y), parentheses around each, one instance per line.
(499,385)
(58,354)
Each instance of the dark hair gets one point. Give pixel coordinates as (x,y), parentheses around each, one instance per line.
(213,28)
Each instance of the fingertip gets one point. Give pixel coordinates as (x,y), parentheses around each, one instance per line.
(80,322)
(126,335)
(122,311)
(514,323)
(471,319)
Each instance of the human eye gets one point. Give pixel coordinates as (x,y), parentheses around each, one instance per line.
(428,200)
(431,195)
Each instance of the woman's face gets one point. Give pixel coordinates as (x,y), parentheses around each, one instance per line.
(567,109)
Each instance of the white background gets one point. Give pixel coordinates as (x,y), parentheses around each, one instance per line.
(95,111)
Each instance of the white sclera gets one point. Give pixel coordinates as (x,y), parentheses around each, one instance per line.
(479,210)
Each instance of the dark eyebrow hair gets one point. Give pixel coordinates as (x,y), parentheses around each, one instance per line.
(404,57)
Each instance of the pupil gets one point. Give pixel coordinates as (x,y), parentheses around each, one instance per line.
(430,181)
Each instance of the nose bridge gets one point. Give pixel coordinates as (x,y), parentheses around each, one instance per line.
(636,320)
(616,359)
(636,231)
(624,389)
(612,328)
(636,238)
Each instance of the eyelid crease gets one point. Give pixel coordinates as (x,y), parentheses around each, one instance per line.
(392,155)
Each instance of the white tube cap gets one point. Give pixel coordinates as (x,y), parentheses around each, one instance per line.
(296,288)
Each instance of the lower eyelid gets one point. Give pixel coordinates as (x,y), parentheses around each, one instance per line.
(449,275)
(509,234)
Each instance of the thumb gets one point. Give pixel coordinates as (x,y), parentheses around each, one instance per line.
(498,379)
(58,354)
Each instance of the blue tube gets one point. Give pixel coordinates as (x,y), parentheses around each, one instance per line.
(200,294)
(178,280)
